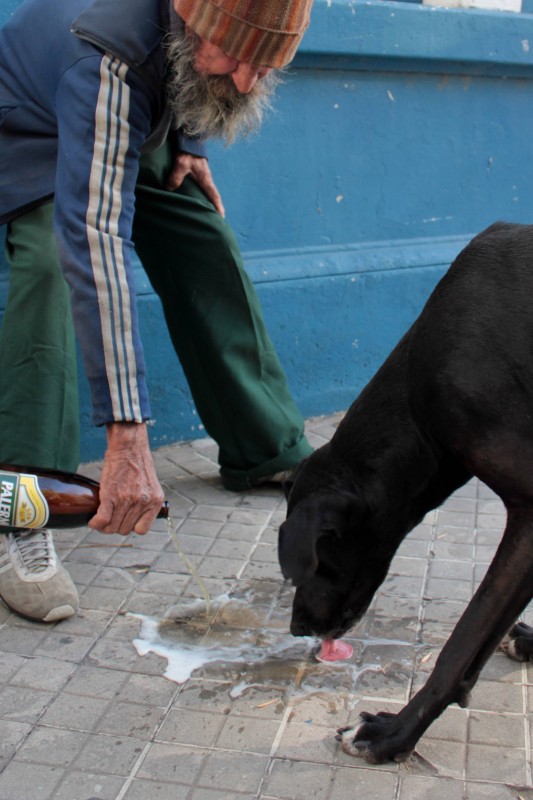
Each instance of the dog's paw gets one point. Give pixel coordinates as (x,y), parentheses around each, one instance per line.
(376,739)
(347,737)
(518,644)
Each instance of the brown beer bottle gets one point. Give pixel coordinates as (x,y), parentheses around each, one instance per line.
(33,497)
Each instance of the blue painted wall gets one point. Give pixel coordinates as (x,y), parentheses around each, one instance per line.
(400,131)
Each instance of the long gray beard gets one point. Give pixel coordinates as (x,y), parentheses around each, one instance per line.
(210,105)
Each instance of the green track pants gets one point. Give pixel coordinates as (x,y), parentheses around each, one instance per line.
(213,316)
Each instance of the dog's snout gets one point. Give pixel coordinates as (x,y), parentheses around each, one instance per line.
(298,628)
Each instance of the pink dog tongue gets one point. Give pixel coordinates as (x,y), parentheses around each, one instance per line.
(334,650)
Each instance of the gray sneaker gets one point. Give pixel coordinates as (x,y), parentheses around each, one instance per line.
(33,582)
(277,477)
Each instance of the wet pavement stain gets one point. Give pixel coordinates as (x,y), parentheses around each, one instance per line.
(234,644)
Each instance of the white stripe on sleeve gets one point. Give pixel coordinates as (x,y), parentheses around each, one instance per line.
(111,139)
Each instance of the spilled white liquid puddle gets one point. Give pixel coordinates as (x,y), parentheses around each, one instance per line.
(185,638)
(233,636)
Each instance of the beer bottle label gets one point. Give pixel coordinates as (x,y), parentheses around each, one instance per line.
(22,504)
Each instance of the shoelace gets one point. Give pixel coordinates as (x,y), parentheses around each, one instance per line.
(34,550)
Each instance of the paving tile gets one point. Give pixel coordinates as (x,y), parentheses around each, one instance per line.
(442,588)
(250,735)
(82,574)
(316,709)
(496,791)
(182,552)
(172,763)
(22,704)
(376,784)
(154,604)
(304,742)
(9,665)
(447,758)
(455,570)
(451,726)
(458,502)
(402,565)
(443,610)
(230,771)
(450,550)
(414,548)
(19,640)
(436,633)
(261,570)
(130,559)
(456,519)
(190,727)
(506,765)
(497,696)
(155,582)
(291,780)
(501,668)
(270,532)
(90,554)
(123,627)
(74,712)
(402,628)
(110,754)
(12,734)
(250,516)
(239,531)
(88,622)
(268,500)
(210,513)
(130,719)
(87,786)
(504,730)
(147,689)
(65,645)
(51,746)
(109,652)
(227,568)
(115,578)
(96,683)
(21,781)
(146,790)
(230,548)
(492,520)
(215,794)
(490,538)
(413,787)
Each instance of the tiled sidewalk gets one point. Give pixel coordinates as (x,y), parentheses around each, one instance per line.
(85,717)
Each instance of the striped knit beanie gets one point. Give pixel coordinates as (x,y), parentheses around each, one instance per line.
(265,33)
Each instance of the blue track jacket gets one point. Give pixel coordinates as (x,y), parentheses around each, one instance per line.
(81,97)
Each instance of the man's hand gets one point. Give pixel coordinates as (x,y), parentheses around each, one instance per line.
(198,168)
(130,494)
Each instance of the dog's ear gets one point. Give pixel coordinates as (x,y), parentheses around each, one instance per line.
(317,515)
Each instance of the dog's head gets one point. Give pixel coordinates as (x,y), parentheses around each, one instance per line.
(328,549)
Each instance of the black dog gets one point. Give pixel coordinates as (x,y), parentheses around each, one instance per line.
(454,399)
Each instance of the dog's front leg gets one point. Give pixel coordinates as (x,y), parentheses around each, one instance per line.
(504,592)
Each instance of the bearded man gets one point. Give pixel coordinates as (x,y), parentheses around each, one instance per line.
(103,109)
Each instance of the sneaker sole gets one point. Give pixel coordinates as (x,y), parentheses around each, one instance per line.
(56,614)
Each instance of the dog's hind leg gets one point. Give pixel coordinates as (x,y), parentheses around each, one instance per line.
(502,595)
